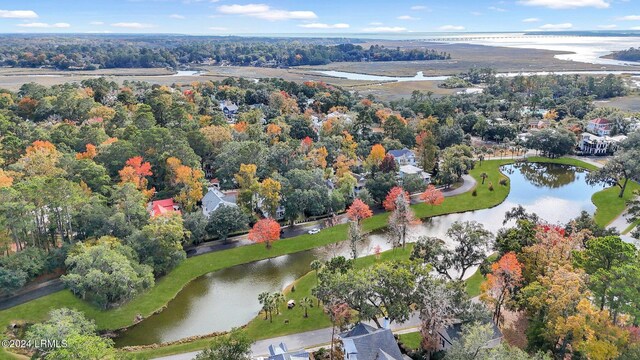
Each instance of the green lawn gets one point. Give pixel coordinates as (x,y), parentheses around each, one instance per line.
(609,205)
(563,161)
(168,287)
(411,340)
(259,328)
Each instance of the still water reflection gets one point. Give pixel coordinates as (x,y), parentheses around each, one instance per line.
(224,299)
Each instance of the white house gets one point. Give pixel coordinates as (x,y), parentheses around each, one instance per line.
(215,198)
(403,157)
(599,126)
(591,144)
(408,170)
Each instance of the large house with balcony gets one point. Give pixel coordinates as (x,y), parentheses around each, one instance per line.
(599,126)
(591,144)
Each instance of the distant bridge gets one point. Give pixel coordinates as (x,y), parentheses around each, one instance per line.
(472,38)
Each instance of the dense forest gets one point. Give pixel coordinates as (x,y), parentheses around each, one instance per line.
(147,52)
(632,54)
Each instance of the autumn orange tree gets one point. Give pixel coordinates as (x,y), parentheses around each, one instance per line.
(41,158)
(265,231)
(375,157)
(90,153)
(136,171)
(189,180)
(5,179)
(390,201)
(432,196)
(318,157)
(502,282)
(358,211)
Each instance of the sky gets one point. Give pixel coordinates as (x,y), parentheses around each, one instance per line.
(224,17)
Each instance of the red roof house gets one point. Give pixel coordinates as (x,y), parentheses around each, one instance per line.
(163,207)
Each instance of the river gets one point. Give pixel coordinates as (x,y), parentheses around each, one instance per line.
(420,75)
(228,298)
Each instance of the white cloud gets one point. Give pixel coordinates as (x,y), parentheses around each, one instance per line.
(630,18)
(635,28)
(567,4)
(609,26)
(562,26)
(418,7)
(96,23)
(530,20)
(218,28)
(380,29)
(324,26)
(263,11)
(451,28)
(18,14)
(132,25)
(498,9)
(243,9)
(177,16)
(476,13)
(60,25)
(407,17)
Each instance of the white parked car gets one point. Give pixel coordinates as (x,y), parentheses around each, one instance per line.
(314,231)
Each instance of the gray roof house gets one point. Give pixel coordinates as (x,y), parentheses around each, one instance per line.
(403,157)
(453,332)
(280,352)
(365,342)
(214,198)
(228,108)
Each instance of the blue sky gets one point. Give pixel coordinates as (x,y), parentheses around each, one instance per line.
(218,17)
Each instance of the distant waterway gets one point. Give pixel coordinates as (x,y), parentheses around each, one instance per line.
(420,75)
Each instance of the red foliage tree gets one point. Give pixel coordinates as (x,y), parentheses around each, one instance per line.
(388,164)
(136,171)
(265,231)
(389,202)
(358,211)
(505,277)
(432,196)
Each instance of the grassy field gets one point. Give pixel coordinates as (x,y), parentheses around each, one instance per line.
(167,287)
(609,205)
(411,340)
(259,328)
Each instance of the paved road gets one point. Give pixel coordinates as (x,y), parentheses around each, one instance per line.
(237,241)
(305,340)
(33,293)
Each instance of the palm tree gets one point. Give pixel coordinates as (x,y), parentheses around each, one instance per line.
(265,300)
(306,303)
(277,298)
(484,176)
(316,265)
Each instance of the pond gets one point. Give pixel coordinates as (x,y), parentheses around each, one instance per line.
(228,298)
